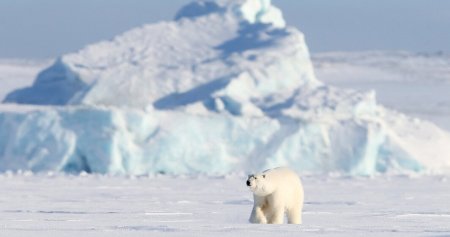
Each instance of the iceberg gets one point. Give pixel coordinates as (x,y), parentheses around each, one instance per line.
(224,87)
(170,64)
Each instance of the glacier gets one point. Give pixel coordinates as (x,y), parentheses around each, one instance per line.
(224,87)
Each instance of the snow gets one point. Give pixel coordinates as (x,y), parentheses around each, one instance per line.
(95,205)
(262,11)
(203,99)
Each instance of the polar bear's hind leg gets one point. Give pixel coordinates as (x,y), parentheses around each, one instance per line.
(294,216)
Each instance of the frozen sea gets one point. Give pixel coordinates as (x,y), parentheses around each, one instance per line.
(96,205)
(416,84)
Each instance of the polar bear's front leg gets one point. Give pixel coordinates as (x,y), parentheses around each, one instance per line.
(258,215)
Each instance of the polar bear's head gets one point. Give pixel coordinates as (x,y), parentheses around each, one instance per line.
(259,184)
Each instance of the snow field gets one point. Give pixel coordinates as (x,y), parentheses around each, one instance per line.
(96,205)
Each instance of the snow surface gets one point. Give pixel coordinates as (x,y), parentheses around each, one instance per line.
(189,97)
(58,205)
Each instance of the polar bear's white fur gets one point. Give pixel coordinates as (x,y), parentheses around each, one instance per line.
(276,192)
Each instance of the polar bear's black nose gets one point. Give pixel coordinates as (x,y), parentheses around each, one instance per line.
(248,183)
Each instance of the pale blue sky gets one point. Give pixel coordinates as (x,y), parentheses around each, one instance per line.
(48,28)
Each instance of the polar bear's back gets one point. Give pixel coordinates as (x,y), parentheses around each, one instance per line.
(287,183)
(282,174)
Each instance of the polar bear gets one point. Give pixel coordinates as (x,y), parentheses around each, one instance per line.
(275,192)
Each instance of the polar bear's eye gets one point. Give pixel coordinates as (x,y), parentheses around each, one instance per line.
(264,176)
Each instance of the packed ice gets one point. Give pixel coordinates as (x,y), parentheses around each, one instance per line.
(224,87)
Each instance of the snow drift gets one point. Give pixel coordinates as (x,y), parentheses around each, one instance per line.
(225,87)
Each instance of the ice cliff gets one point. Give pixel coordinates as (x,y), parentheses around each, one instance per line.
(225,87)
